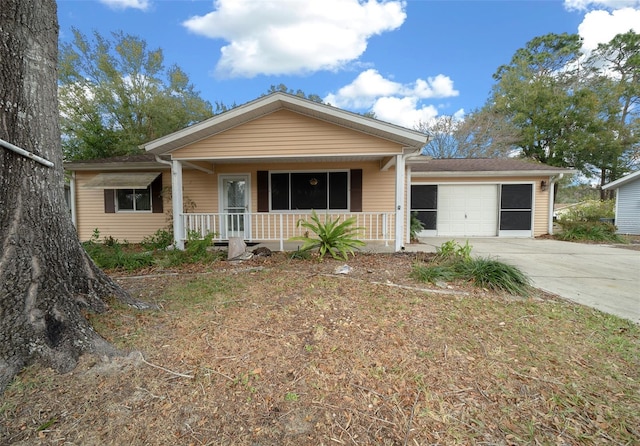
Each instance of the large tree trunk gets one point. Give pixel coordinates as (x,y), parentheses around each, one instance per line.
(46,278)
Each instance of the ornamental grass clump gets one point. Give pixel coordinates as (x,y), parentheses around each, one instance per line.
(331,237)
(454,262)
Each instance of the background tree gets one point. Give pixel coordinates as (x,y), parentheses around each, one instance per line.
(533,93)
(614,74)
(477,135)
(116,94)
(46,278)
(570,112)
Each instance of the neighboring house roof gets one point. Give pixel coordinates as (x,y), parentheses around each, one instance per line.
(282,101)
(130,162)
(622,181)
(481,167)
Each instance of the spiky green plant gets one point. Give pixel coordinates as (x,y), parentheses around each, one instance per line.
(339,239)
(495,275)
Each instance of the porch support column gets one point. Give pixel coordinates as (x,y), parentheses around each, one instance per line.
(177,207)
(400,187)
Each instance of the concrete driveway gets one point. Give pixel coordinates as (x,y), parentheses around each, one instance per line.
(600,276)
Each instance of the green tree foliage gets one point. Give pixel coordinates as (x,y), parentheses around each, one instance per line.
(116,94)
(284,89)
(570,111)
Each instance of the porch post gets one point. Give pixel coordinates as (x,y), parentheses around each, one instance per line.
(177,207)
(400,185)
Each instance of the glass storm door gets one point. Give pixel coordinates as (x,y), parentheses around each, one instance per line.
(235,205)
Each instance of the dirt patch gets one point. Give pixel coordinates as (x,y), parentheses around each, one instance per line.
(273,351)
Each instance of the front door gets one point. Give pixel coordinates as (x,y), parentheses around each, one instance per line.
(234,206)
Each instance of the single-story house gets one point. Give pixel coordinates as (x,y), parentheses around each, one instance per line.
(256,170)
(627,203)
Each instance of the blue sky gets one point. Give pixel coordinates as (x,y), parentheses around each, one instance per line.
(407,61)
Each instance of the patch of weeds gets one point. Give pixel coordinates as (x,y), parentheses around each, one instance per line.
(214,291)
(452,250)
(291,396)
(299,255)
(110,254)
(159,240)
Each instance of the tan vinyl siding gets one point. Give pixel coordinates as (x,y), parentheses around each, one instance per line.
(285,133)
(129,226)
(540,201)
(378,188)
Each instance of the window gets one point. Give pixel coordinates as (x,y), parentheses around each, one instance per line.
(515,207)
(309,190)
(424,204)
(136,200)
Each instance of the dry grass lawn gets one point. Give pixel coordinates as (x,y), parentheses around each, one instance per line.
(284,352)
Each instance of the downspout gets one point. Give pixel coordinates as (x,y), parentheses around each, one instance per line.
(72,199)
(552,180)
(176,201)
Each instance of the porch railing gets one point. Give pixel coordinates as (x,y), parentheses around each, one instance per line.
(279,227)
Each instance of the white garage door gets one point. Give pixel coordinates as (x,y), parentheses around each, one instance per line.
(468,210)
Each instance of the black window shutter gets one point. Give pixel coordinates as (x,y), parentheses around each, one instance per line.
(156,195)
(356,190)
(263,191)
(109,201)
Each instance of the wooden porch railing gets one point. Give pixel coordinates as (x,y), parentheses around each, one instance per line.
(279,227)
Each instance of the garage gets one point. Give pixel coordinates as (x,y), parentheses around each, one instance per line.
(482,197)
(467,210)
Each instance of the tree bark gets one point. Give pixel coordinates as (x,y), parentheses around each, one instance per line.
(46,278)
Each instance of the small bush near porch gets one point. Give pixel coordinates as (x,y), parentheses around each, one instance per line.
(280,351)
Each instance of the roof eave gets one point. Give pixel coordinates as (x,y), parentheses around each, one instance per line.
(622,181)
(72,167)
(489,173)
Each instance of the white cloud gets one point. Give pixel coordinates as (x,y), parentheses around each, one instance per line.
(143,5)
(583,5)
(393,101)
(404,111)
(293,36)
(601,26)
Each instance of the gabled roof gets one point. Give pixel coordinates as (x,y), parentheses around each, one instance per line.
(622,181)
(481,167)
(283,101)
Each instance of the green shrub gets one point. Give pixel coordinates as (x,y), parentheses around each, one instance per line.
(589,230)
(332,237)
(591,210)
(110,254)
(161,239)
(415,226)
(196,250)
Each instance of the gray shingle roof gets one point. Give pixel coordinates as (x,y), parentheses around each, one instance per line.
(481,165)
